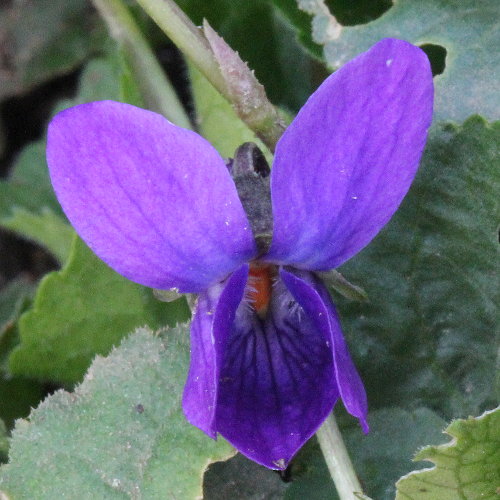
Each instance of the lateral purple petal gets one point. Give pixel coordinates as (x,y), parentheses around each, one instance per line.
(153,200)
(317,304)
(345,163)
(210,330)
(277,384)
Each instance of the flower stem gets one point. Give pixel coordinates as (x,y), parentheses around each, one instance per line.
(156,89)
(338,461)
(188,38)
(223,68)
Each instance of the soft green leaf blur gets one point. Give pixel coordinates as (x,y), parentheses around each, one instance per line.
(429,334)
(27,192)
(13,299)
(385,454)
(17,394)
(4,442)
(28,185)
(46,228)
(43,39)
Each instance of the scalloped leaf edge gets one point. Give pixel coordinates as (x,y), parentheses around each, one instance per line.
(442,456)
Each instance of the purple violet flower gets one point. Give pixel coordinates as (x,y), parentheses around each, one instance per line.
(158,204)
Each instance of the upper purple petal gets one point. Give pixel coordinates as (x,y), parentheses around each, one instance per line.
(317,304)
(277,384)
(345,163)
(210,330)
(153,200)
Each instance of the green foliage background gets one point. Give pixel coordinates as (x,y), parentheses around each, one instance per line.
(426,343)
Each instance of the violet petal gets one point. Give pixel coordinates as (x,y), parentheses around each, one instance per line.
(277,383)
(345,163)
(153,200)
(210,330)
(315,299)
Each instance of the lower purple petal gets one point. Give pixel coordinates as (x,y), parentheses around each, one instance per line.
(277,384)
(317,304)
(210,329)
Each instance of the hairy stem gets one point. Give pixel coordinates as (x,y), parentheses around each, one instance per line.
(222,67)
(188,38)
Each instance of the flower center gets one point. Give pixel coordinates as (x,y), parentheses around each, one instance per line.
(260,284)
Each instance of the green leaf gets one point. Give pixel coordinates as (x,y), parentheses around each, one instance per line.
(466,468)
(4,442)
(306,478)
(27,202)
(28,185)
(82,311)
(273,45)
(429,336)
(13,298)
(44,39)
(100,80)
(336,282)
(121,434)
(46,228)
(217,120)
(309,475)
(384,455)
(241,478)
(350,13)
(17,395)
(465,28)
(302,23)
(129,89)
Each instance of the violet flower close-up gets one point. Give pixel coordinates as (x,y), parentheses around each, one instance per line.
(159,205)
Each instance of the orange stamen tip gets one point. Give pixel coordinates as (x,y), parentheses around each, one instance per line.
(261,282)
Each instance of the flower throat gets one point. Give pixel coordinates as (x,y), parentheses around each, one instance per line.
(259,288)
(250,172)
